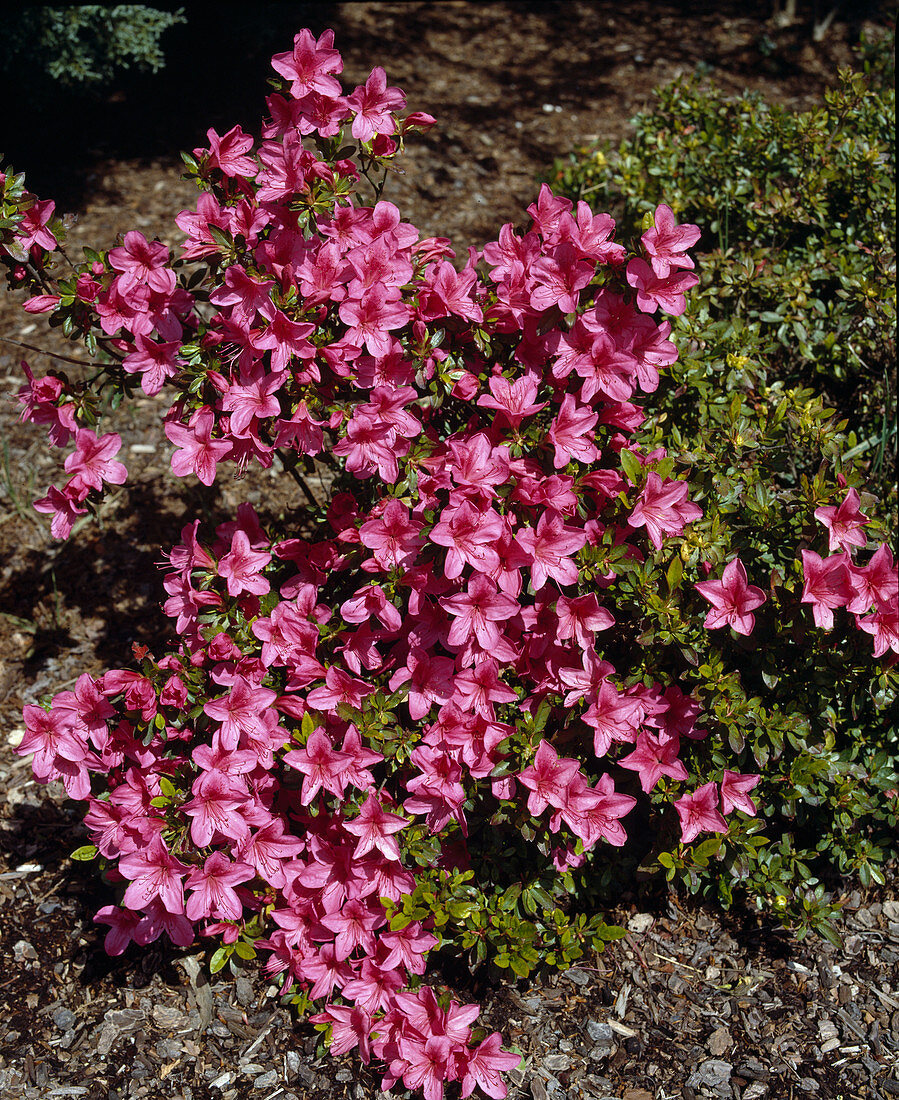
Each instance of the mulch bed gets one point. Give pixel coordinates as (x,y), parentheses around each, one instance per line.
(693,1003)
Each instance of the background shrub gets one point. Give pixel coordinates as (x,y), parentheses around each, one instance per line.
(782,397)
(797,257)
(85,44)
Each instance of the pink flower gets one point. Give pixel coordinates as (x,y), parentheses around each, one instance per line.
(845,524)
(254,397)
(154,873)
(663,509)
(213,888)
(32,229)
(226,153)
(827,585)
(374,828)
(373,103)
(484,1066)
(64,505)
(549,546)
(139,261)
(515,400)
(654,292)
(698,813)
(732,599)
(667,242)
(548,779)
(321,764)
(571,433)
(874,583)
(310,65)
(242,567)
(477,613)
(351,1026)
(199,453)
(654,757)
(883,624)
(735,790)
(92,462)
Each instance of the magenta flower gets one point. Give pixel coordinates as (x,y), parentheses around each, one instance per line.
(549,546)
(883,625)
(227,152)
(310,65)
(242,567)
(485,1064)
(735,790)
(374,828)
(875,583)
(667,242)
(92,461)
(213,888)
(548,779)
(373,103)
(199,453)
(698,813)
(477,613)
(732,598)
(321,764)
(654,292)
(654,757)
(140,261)
(845,524)
(663,509)
(827,585)
(64,505)
(515,400)
(571,433)
(32,229)
(154,873)
(351,1026)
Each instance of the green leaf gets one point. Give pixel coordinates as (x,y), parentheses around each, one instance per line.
(631,465)
(675,573)
(85,853)
(219,959)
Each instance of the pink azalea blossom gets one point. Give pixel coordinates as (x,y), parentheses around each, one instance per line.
(667,242)
(663,509)
(698,813)
(654,292)
(311,65)
(199,453)
(212,888)
(827,585)
(373,103)
(732,598)
(845,524)
(91,464)
(735,790)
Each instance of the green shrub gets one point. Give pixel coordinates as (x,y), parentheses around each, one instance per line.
(85,44)
(795,312)
(798,213)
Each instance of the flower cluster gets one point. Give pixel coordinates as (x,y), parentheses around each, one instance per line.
(347,713)
(869,592)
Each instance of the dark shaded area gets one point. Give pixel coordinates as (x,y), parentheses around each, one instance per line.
(220,59)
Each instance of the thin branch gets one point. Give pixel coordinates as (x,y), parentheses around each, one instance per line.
(52,354)
(291,468)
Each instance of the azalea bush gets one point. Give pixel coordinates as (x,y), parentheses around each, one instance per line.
(798,254)
(520,649)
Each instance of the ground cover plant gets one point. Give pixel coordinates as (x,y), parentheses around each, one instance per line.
(414,717)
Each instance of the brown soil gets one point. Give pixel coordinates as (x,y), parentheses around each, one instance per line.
(513,85)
